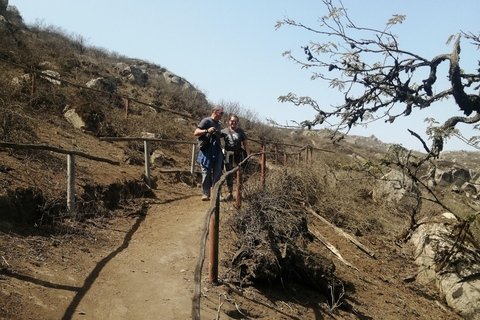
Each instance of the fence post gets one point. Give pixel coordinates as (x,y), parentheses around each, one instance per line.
(237,201)
(298,161)
(284,159)
(276,154)
(214,235)
(311,156)
(32,78)
(71,183)
(127,106)
(262,177)
(194,151)
(306,156)
(147,162)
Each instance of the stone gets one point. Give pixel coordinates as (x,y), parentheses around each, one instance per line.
(458,279)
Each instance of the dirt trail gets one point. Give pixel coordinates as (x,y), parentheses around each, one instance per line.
(151,275)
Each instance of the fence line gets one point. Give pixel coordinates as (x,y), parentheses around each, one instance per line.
(146,149)
(70,165)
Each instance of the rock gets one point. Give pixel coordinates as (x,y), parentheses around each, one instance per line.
(460,176)
(149,135)
(106,84)
(159,158)
(19,81)
(141,78)
(84,118)
(172,78)
(469,188)
(51,76)
(459,279)
(443,178)
(399,190)
(73,117)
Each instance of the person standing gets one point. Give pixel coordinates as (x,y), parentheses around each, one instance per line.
(234,153)
(210,155)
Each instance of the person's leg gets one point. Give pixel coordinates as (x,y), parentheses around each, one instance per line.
(206,180)
(228,167)
(217,167)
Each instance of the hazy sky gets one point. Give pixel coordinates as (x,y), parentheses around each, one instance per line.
(231,51)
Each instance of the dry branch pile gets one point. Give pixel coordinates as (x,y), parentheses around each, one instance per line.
(272,237)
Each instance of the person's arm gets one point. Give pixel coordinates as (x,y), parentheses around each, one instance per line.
(201,132)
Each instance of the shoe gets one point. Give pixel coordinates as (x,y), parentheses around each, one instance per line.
(230,197)
(205,198)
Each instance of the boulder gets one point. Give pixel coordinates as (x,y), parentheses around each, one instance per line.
(172,78)
(443,178)
(105,84)
(73,117)
(469,189)
(398,190)
(460,176)
(84,118)
(140,77)
(159,158)
(459,278)
(51,76)
(20,81)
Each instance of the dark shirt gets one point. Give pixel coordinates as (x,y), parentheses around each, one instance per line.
(233,139)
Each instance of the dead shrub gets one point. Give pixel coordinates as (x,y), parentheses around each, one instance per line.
(272,236)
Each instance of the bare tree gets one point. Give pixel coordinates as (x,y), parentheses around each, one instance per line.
(380,80)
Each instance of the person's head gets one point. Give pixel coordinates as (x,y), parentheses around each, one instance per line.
(217,113)
(233,121)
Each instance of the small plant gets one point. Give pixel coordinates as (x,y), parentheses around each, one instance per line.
(335,301)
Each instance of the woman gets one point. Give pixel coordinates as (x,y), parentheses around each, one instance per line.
(234,153)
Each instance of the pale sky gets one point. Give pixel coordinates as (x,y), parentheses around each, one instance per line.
(231,51)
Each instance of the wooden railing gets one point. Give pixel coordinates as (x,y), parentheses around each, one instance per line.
(70,165)
(146,142)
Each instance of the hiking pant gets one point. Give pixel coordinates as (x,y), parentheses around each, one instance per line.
(215,170)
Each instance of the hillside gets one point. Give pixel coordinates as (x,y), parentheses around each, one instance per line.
(129,250)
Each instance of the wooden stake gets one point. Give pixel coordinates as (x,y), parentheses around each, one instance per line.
(147,163)
(71,184)
(194,152)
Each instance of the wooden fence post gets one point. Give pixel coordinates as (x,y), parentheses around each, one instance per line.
(298,161)
(311,156)
(71,183)
(147,162)
(237,201)
(306,156)
(194,151)
(127,106)
(214,236)
(262,176)
(276,154)
(32,78)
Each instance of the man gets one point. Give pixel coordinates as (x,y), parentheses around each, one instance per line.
(234,137)
(210,155)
